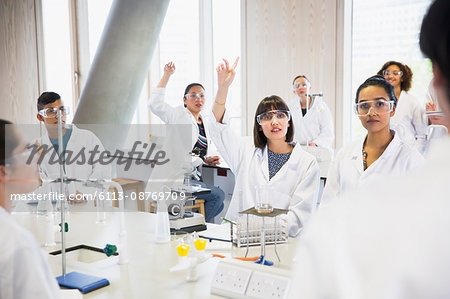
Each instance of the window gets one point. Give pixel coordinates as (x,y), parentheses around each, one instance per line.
(58,78)
(227,44)
(388,30)
(98,11)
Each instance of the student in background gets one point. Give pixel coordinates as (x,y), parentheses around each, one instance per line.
(24,272)
(190,113)
(311,117)
(75,140)
(380,153)
(273,160)
(409,121)
(393,239)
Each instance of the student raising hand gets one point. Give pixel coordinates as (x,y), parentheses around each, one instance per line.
(169,69)
(225,76)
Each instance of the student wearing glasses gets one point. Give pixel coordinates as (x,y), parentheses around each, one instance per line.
(311,116)
(409,121)
(380,153)
(77,143)
(272,160)
(190,113)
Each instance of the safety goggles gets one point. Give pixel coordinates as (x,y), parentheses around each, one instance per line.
(195,96)
(395,73)
(267,117)
(381,106)
(53,111)
(304,85)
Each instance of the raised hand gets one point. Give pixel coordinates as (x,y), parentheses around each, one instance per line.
(169,69)
(225,73)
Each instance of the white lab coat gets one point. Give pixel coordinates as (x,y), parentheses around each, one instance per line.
(391,241)
(80,140)
(296,185)
(180,115)
(24,271)
(316,126)
(346,172)
(409,121)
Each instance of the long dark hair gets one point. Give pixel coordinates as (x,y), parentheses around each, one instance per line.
(270,103)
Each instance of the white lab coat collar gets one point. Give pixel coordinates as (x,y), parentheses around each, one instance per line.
(297,106)
(390,150)
(263,156)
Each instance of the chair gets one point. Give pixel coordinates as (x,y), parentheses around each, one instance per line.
(199,205)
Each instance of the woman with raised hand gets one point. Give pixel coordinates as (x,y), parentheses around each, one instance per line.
(380,153)
(409,120)
(272,160)
(190,113)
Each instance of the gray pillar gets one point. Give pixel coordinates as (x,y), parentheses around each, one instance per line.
(121,62)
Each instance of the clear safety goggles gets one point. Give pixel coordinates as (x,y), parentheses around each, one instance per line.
(195,96)
(378,106)
(53,111)
(298,85)
(266,117)
(395,73)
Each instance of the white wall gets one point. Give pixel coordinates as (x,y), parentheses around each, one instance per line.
(285,38)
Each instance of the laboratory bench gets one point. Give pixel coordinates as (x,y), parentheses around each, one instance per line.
(146,275)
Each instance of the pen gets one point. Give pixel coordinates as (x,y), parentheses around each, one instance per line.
(225,219)
(214,239)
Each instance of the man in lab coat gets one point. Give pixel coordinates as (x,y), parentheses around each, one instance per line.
(393,240)
(24,272)
(84,147)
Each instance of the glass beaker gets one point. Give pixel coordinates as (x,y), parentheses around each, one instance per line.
(264,195)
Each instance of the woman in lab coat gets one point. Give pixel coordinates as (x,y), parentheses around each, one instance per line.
(311,116)
(409,120)
(273,160)
(396,242)
(24,272)
(191,114)
(382,152)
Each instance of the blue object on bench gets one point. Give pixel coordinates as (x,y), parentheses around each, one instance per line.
(83,282)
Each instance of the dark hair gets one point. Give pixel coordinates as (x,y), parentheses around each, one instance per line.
(435,37)
(406,77)
(300,76)
(47,97)
(8,142)
(270,103)
(381,82)
(188,88)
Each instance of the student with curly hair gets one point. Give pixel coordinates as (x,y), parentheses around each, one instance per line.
(409,119)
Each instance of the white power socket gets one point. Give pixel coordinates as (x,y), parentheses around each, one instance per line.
(266,285)
(238,279)
(230,279)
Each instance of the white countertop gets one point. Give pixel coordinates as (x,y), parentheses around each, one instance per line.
(147,273)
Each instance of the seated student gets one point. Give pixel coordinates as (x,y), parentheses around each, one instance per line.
(24,272)
(273,160)
(381,152)
(77,144)
(312,118)
(191,114)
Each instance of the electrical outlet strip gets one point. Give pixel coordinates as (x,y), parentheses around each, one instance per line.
(243,279)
